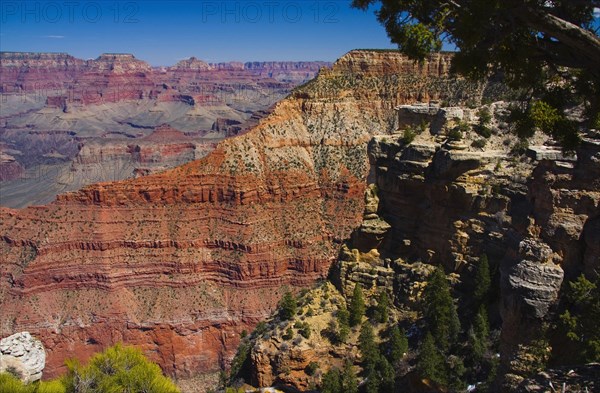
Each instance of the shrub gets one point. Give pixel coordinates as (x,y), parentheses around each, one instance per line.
(118,369)
(483,130)
(408,136)
(479,143)
(519,148)
(455,134)
(485,116)
(311,368)
(289,334)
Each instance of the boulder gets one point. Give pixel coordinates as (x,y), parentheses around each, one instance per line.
(22,355)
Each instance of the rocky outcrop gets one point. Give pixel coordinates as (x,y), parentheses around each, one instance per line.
(23,356)
(450,201)
(181,261)
(583,378)
(282,355)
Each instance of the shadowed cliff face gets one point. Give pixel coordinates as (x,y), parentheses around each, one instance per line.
(182,261)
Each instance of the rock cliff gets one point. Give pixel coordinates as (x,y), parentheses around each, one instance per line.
(180,262)
(438,198)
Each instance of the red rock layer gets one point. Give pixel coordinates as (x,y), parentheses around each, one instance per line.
(181,261)
(114,77)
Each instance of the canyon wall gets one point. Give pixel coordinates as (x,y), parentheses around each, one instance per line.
(180,262)
(58,113)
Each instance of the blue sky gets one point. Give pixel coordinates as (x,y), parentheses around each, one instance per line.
(164,32)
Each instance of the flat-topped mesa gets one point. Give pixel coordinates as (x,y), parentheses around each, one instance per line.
(191,64)
(387,62)
(119,63)
(183,260)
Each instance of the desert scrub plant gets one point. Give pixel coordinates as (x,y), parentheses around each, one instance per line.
(479,143)
(455,134)
(409,135)
(118,369)
(520,147)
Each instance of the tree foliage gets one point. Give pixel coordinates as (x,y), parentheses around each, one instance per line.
(580,320)
(349,383)
(331,382)
(397,345)
(550,49)
(483,282)
(336,381)
(357,306)
(431,364)
(440,312)
(382,312)
(287,306)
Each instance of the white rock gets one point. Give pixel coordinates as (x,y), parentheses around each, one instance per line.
(23,354)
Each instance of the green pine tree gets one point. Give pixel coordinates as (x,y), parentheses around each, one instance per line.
(349,383)
(382,309)
(370,357)
(431,363)
(357,306)
(343,325)
(483,282)
(386,375)
(440,311)
(331,382)
(580,320)
(288,306)
(397,345)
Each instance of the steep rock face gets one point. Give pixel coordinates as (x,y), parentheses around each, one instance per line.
(448,202)
(181,261)
(22,355)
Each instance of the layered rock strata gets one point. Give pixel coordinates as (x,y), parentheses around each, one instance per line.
(182,261)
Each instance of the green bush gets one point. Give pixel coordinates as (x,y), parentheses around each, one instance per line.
(455,134)
(519,148)
(408,136)
(479,143)
(10,384)
(483,130)
(311,368)
(288,306)
(288,335)
(485,116)
(118,369)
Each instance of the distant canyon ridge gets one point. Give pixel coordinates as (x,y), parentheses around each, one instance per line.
(67,122)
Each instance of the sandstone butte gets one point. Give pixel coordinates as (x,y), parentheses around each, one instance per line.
(181,262)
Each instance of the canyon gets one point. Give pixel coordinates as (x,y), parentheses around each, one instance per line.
(67,122)
(181,261)
(437,201)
